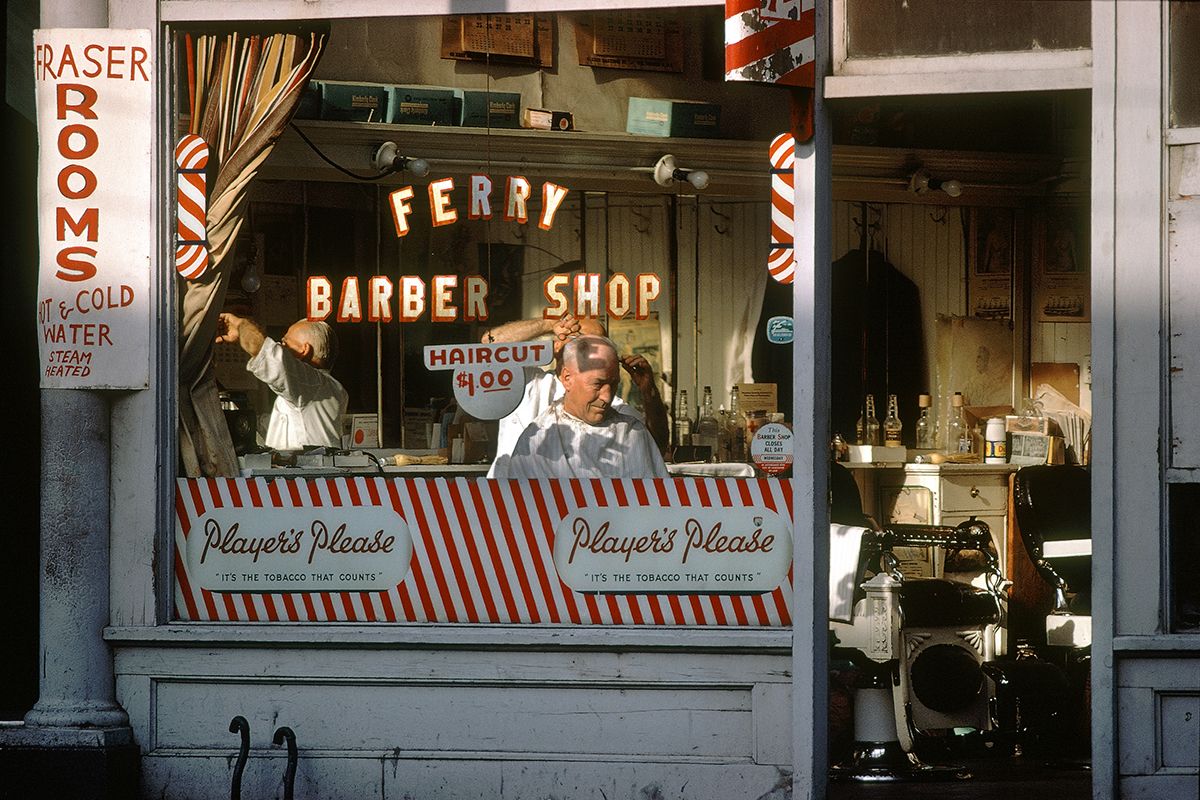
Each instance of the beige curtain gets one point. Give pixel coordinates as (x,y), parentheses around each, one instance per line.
(242,92)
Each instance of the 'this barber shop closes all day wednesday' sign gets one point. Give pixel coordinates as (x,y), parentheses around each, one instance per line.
(94,92)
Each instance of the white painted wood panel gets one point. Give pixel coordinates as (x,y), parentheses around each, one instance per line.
(1136,326)
(397,776)
(1183,243)
(450,666)
(618,721)
(195,776)
(730,243)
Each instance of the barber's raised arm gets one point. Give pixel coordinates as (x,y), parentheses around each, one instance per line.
(523,330)
(241,331)
(655,411)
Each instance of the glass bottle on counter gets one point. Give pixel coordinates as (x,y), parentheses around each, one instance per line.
(958,435)
(892,424)
(707,430)
(924,438)
(722,453)
(867,429)
(683,421)
(737,428)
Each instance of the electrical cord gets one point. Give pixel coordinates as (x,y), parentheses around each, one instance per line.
(336,165)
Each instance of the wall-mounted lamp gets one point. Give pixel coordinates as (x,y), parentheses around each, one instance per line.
(920,183)
(667,173)
(388,159)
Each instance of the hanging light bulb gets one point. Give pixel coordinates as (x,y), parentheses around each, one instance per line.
(251,280)
(666,173)
(388,159)
(921,182)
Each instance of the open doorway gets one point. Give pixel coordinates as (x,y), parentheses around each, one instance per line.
(961,395)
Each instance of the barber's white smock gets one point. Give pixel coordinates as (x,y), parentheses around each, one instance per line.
(541,389)
(559,445)
(309,402)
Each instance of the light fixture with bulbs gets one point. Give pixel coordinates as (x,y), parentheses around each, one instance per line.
(388,160)
(666,173)
(921,182)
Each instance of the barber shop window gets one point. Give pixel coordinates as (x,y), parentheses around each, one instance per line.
(464,300)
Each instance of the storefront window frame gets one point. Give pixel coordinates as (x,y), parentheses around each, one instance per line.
(958,74)
(181,16)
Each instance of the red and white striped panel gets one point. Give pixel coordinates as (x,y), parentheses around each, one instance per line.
(191,236)
(482,551)
(764,45)
(781,257)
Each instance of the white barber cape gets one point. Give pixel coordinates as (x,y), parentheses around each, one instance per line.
(541,389)
(558,445)
(309,402)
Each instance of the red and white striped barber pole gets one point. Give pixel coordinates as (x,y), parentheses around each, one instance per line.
(191,237)
(482,551)
(781,258)
(770,41)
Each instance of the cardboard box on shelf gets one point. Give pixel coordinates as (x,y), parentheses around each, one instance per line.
(353,102)
(547,120)
(1026,449)
(491,109)
(425,105)
(650,116)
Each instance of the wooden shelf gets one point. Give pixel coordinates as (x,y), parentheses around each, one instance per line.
(580,160)
(621,162)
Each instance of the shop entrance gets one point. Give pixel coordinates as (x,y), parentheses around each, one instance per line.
(961,393)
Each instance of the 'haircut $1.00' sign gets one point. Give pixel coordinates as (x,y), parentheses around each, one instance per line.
(489,379)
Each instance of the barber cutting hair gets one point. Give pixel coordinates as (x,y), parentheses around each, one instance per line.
(580,435)
(309,402)
(543,388)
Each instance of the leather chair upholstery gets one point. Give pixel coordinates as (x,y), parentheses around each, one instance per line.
(1054,512)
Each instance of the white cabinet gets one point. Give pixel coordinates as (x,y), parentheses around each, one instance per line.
(939,494)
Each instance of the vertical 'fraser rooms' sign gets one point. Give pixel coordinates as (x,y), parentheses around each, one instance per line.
(95,112)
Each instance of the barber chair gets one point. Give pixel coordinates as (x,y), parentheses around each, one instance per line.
(1054,513)
(919,642)
(1041,697)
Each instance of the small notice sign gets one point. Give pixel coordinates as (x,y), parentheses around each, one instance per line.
(95,115)
(771,449)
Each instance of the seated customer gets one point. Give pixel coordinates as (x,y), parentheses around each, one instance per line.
(580,435)
(309,402)
(543,388)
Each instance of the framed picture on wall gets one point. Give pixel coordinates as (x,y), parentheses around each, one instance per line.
(1061,283)
(991,256)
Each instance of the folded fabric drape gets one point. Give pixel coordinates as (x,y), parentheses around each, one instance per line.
(242,90)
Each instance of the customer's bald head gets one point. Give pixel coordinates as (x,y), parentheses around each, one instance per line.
(589,375)
(587,353)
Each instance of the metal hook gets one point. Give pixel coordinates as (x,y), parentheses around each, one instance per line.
(519,232)
(289,776)
(933,215)
(720,229)
(239,725)
(866,231)
(644,217)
